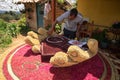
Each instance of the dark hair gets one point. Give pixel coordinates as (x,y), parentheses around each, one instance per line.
(73,12)
(84,22)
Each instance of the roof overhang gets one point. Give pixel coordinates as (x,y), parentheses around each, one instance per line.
(27,1)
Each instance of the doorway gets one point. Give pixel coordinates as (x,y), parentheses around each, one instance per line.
(40,14)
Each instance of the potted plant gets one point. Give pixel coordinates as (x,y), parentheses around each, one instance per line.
(100,35)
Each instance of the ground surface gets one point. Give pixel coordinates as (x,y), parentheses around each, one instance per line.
(3,52)
(16,41)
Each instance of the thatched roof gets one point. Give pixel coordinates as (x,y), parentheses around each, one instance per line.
(31,1)
(27,1)
(34,1)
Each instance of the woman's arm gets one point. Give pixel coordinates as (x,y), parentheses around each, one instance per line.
(59,19)
(52,29)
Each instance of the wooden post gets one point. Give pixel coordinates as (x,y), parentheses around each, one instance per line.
(53,10)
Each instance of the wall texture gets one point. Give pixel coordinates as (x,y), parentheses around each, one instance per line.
(31,16)
(102,12)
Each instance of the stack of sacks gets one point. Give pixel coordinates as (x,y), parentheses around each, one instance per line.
(31,41)
(77,54)
(32,34)
(36,48)
(74,55)
(61,59)
(34,39)
(42,33)
(93,46)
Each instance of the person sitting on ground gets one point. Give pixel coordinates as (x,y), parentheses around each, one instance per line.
(84,26)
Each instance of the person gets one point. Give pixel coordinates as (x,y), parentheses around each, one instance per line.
(72,21)
(84,25)
(83,31)
(47,9)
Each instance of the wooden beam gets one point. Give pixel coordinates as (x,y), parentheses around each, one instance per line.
(53,10)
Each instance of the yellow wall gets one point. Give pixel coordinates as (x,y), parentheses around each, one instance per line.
(102,12)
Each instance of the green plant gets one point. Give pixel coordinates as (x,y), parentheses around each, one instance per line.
(3,24)
(60,1)
(7,31)
(58,28)
(100,35)
(13,29)
(5,40)
(22,25)
(10,30)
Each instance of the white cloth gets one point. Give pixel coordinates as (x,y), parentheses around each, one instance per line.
(47,9)
(70,25)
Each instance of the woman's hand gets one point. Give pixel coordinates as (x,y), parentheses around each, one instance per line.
(50,32)
(52,28)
